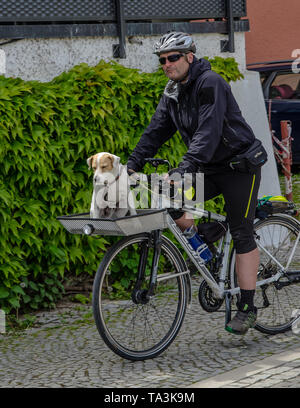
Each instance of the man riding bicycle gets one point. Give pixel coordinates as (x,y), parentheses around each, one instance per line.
(199,104)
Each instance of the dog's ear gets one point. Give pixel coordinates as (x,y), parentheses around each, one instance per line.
(90,162)
(116,161)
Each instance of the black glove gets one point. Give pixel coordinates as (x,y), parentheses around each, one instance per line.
(133,177)
(130,171)
(177,170)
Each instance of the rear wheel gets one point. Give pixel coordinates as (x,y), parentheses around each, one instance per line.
(277,302)
(133,326)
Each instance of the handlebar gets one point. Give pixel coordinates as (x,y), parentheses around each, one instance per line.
(155,162)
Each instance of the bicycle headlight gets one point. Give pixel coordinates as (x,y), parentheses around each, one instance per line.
(88,229)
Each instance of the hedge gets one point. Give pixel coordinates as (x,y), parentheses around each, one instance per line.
(47,131)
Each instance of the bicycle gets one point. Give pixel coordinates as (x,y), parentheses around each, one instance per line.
(139,317)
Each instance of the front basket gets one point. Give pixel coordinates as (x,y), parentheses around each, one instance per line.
(143,221)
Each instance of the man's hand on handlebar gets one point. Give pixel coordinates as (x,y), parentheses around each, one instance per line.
(133,175)
(176,178)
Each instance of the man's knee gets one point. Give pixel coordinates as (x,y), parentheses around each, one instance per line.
(243,241)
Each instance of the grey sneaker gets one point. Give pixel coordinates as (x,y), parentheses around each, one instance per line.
(241,322)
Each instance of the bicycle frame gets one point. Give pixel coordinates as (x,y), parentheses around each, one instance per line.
(198,262)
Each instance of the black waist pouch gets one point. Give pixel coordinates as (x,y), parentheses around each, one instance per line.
(250,160)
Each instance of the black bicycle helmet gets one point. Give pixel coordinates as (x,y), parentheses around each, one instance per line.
(175,41)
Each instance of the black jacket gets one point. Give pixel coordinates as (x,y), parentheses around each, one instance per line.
(207,116)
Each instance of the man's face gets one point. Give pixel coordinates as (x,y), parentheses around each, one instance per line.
(176,70)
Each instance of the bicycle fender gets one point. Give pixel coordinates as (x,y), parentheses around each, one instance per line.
(189,288)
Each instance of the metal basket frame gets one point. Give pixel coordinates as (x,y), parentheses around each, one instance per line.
(145,220)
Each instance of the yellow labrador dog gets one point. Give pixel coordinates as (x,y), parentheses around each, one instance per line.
(112,197)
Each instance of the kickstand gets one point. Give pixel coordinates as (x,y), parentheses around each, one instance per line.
(227,308)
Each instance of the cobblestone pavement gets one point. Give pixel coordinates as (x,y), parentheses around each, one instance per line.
(67,351)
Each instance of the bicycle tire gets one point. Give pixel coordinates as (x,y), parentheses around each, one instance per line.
(275,304)
(127,328)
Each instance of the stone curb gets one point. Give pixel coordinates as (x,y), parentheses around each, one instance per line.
(245,373)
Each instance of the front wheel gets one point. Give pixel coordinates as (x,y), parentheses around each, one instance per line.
(278,301)
(133,326)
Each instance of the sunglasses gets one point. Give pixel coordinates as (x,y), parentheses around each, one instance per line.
(170,58)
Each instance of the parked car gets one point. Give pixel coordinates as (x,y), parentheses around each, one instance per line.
(281,89)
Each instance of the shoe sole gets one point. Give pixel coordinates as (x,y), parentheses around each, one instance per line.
(230,330)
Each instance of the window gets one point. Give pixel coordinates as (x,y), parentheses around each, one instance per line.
(286,85)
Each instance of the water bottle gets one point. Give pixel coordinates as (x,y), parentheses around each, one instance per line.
(198,244)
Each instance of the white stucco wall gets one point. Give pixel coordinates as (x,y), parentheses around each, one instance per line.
(248,93)
(43,59)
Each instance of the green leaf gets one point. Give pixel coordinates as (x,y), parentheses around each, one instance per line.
(33,286)
(55,290)
(3,293)
(14,302)
(17,289)
(5,196)
(26,299)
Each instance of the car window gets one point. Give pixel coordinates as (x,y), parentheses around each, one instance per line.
(286,85)
(263,77)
